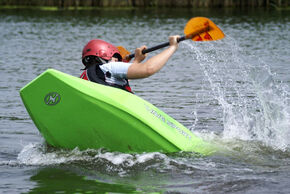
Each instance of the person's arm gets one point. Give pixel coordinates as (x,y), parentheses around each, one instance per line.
(152,65)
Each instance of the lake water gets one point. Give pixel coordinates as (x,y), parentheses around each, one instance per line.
(234,93)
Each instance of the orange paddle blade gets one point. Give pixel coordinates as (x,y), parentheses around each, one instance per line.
(202,29)
(124,53)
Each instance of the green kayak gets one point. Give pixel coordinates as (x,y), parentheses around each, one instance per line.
(71,112)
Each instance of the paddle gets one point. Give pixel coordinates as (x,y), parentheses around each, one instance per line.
(196,29)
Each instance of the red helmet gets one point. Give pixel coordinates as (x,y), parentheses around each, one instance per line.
(100,48)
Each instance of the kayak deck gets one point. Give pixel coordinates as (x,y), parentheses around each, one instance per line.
(71,112)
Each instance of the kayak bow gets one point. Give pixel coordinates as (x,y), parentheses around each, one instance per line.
(71,112)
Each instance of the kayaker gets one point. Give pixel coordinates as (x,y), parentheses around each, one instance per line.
(104,64)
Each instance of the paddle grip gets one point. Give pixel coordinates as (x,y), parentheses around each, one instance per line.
(154,48)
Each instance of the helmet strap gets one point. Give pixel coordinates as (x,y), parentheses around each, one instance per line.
(91,60)
(101,61)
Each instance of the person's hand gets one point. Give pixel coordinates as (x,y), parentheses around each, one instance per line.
(139,56)
(173,41)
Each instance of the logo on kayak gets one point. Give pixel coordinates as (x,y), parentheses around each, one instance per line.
(52,98)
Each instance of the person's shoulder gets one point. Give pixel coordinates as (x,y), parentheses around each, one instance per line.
(119,63)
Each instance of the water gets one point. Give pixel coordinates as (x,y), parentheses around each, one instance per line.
(233,92)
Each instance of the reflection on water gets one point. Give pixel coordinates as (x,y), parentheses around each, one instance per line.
(150,172)
(51,180)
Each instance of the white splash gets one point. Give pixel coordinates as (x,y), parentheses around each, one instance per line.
(254,105)
(37,154)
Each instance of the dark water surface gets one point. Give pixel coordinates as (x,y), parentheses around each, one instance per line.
(234,93)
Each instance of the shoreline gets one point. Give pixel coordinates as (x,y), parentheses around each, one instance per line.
(80,8)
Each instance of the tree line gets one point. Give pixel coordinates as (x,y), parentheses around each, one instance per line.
(147,3)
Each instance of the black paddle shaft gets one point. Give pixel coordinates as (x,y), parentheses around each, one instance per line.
(154,48)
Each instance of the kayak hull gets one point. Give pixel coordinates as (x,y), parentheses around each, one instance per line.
(71,112)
